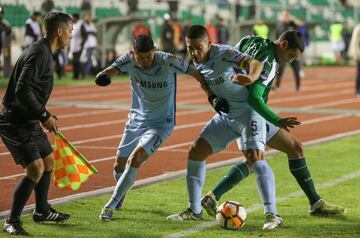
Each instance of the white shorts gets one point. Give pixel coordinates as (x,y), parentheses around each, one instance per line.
(148,137)
(271,131)
(249,130)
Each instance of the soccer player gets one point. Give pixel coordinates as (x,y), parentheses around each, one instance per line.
(216,63)
(28,91)
(284,50)
(152,113)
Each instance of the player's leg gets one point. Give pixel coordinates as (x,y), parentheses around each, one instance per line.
(43,211)
(254,135)
(195,179)
(250,134)
(357,87)
(296,66)
(119,168)
(148,143)
(17,140)
(287,143)
(214,137)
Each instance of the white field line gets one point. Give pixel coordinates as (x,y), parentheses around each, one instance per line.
(337,85)
(196,91)
(90,113)
(255,207)
(118,88)
(306,122)
(312,96)
(333,103)
(172,175)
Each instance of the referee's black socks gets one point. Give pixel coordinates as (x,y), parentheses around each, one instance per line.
(21,195)
(41,193)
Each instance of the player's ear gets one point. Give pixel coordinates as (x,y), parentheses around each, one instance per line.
(59,31)
(284,44)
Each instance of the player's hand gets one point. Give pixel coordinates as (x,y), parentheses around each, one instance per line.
(50,124)
(219,104)
(102,79)
(288,122)
(242,79)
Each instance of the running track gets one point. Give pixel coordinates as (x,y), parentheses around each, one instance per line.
(93,118)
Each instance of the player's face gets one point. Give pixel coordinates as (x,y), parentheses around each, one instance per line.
(144,60)
(198,48)
(65,35)
(286,55)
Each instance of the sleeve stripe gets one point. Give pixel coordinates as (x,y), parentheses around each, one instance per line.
(272,74)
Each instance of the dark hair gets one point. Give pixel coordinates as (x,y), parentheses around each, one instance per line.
(76,15)
(36,13)
(143,43)
(53,20)
(294,38)
(196,31)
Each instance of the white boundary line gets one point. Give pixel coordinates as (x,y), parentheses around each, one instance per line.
(172,175)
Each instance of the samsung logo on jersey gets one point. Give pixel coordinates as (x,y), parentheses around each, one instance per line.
(215,81)
(149,84)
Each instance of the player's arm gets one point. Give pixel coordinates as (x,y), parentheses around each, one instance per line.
(200,78)
(254,68)
(219,104)
(256,101)
(104,77)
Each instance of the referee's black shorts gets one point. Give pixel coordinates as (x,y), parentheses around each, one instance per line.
(26,141)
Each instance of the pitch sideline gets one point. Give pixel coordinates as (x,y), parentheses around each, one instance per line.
(178,174)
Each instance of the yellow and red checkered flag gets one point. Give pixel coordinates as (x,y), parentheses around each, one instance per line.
(71,168)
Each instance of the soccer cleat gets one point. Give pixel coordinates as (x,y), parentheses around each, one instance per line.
(188,214)
(209,203)
(14,228)
(52,215)
(106,214)
(120,203)
(272,221)
(322,208)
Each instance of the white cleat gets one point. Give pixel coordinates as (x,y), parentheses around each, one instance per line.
(187,214)
(272,221)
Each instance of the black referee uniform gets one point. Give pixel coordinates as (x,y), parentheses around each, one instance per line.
(28,91)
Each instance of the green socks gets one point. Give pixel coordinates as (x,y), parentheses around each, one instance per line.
(299,170)
(231,179)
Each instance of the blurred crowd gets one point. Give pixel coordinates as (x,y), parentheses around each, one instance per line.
(84,56)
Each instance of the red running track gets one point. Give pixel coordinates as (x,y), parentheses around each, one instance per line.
(326,93)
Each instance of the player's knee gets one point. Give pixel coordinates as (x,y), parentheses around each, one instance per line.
(119,165)
(35,170)
(137,158)
(49,162)
(252,156)
(199,150)
(119,168)
(297,150)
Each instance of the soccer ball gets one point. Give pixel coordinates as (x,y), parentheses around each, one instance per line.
(231,215)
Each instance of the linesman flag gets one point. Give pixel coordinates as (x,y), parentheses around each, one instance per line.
(71,168)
